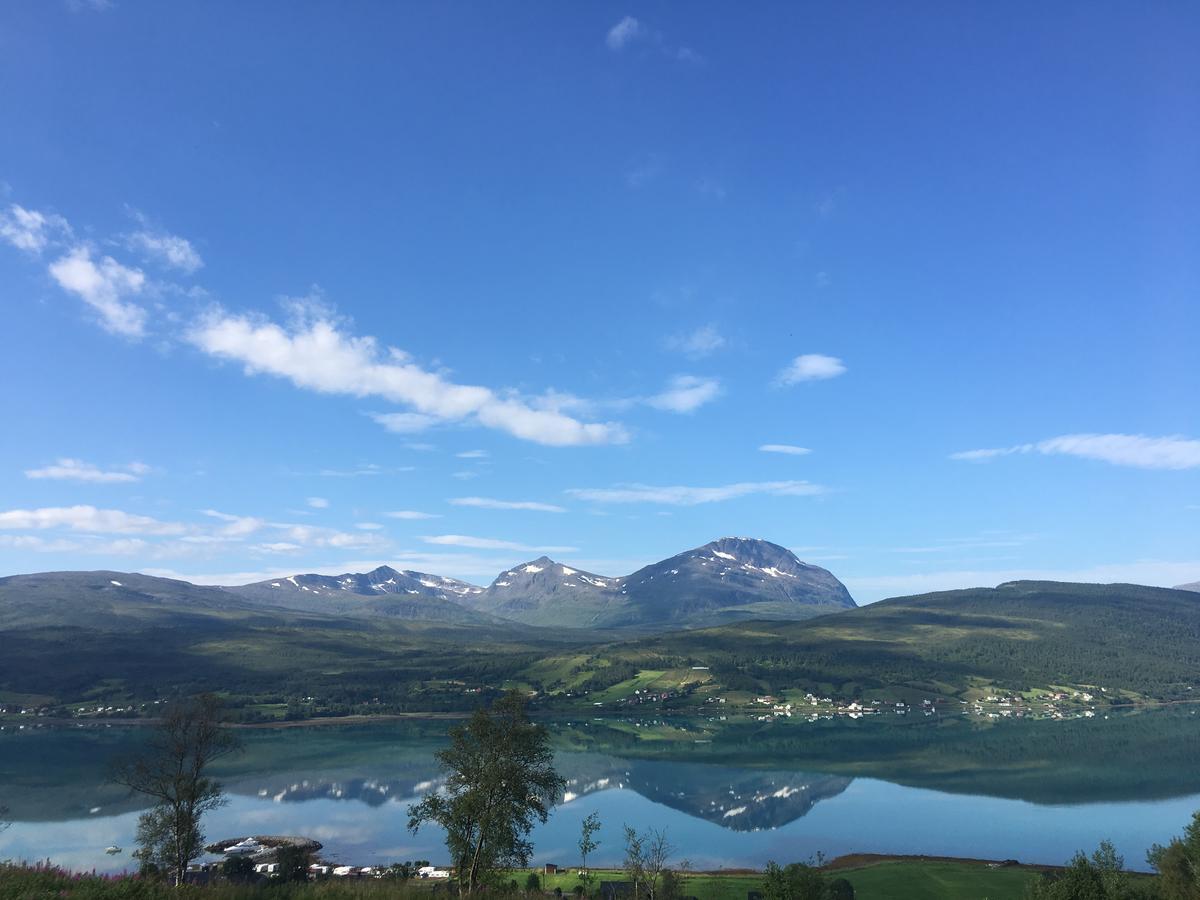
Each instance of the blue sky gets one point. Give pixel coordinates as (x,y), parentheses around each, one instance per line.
(313,287)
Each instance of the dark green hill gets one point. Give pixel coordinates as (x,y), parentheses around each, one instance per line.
(1025,633)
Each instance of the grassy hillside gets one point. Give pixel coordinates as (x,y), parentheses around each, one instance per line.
(1015,637)
(89,640)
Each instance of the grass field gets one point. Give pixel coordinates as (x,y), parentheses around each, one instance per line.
(890,880)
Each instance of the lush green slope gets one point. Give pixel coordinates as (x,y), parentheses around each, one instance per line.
(1017,636)
(139,640)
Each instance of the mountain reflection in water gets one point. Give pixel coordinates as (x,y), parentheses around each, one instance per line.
(732,793)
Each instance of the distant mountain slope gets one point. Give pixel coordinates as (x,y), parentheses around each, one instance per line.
(1190,586)
(734,578)
(1024,633)
(381,592)
(546,592)
(107,600)
(725,580)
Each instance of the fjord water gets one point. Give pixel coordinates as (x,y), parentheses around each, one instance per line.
(730,794)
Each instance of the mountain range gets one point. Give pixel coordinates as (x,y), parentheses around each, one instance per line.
(726,580)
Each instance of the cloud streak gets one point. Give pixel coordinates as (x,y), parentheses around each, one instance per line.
(315,355)
(66,469)
(788,449)
(479,543)
(86,518)
(685,394)
(1138,451)
(680,495)
(810,367)
(490,503)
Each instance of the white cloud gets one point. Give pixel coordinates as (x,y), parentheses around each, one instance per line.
(86,518)
(810,367)
(236,526)
(489,503)
(699,343)
(313,536)
(315,355)
(478,543)
(168,249)
(366,469)
(1137,450)
(686,393)
(104,286)
(277,547)
(472,454)
(317,502)
(680,495)
(624,33)
(404,423)
(30,230)
(66,469)
(411,514)
(789,449)
(368,526)
(36,544)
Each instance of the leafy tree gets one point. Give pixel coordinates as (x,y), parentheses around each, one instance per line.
(1100,877)
(293,863)
(839,889)
(588,842)
(500,779)
(795,881)
(238,869)
(407,870)
(171,771)
(533,884)
(1178,864)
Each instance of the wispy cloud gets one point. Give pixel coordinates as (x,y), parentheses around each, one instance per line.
(167,249)
(315,354)
(630,31)
(106,286)
(700,342)
(624,33)
(1136,450)
(236,526)
(680,495)
(686,393)
(490,503)
(30,230)
(66,469)
(478,543)
(405,423)
(317,502)
(810,367)
(473,454)
(411,514)
(789,449)
(86,518)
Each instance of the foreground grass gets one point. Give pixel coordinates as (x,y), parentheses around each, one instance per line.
(891,880)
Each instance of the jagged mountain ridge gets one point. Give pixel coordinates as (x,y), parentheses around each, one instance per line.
(725,580)
(382,591)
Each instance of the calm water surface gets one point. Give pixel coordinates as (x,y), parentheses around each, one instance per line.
(729,793)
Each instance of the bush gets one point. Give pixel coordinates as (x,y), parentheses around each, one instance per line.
(533,884)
